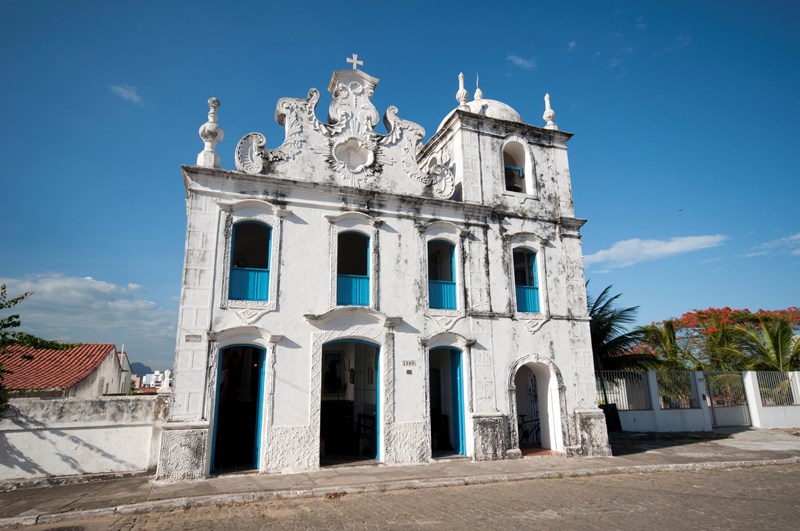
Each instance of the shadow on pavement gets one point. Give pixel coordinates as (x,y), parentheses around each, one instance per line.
(629,443)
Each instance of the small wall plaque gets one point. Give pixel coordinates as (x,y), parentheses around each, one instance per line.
(193,338)
(409,363)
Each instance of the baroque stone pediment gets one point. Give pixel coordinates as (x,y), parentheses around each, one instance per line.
(347,147)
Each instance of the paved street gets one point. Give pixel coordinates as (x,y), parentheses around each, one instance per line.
(753,498)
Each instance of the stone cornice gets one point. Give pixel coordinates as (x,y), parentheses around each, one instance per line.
(200,180)
(570,227)
(355,311)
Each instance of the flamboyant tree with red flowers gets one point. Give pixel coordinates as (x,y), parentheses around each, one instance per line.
(726,339)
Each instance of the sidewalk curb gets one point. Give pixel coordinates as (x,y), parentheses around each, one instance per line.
(319,492)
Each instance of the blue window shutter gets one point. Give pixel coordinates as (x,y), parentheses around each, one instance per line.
(353,269)
(526,285)
(442,295)
(246,282)
(441,285)
(352,290)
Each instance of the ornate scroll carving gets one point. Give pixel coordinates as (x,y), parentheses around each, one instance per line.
(444,184)
(290,112)
(250,153)
(408,137)
(352,100)
(348,142)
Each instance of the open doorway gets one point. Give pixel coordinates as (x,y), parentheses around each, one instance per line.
(446,403)
(528,422)
(237,430)
(537,408)
(350,408)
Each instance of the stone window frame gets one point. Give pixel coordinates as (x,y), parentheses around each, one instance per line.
(455,235)
(259,211)
(531,242)
(529,167)
(367,225)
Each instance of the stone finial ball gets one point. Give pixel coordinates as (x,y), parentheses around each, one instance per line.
(213,102)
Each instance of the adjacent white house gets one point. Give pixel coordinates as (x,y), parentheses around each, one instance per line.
(353,295)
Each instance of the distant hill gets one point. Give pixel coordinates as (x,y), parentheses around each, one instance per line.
(140,369)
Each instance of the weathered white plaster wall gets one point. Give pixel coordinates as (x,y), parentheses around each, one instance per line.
(107,375)
(68,436)
(307,199)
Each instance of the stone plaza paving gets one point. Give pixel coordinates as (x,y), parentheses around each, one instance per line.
(744,498)
(692,476)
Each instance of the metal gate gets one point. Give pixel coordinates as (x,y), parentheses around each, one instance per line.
(728,399)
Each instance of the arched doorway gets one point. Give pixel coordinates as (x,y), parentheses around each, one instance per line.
(537,408)
(446,384)
(350,402)
(239,409)
(528,420)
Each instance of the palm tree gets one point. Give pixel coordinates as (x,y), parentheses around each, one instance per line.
(720,346)
(772,346)
(612,342)
(675,353)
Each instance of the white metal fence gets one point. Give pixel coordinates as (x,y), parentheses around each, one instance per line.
(775,389)
(700,401)
(677,390)
(627,389)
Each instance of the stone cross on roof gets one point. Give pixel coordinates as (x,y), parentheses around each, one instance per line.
(355,61)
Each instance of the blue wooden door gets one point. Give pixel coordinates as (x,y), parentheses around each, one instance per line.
(456,379)
(262,371)
(377,404)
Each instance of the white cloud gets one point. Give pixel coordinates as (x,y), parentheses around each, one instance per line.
(628,252)
(127,93)
(571,45)
(681,41)
(640,24)
(788,245)
(86,310)
(521,62)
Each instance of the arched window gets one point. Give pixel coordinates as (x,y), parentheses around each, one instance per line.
(441,275)
(526,281)
(514,167)
(249,279)
(352,269)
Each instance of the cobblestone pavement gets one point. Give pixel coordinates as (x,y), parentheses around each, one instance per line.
(753,498)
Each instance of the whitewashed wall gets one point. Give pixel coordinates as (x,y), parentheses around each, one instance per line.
(701,417)
(105,379)
(772,416)
(41,438)
(306,197)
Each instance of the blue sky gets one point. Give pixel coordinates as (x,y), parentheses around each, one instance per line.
(685,116)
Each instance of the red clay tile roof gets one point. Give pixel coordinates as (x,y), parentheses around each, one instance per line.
(51,369)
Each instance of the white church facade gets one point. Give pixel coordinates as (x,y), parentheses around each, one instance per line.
(353,296)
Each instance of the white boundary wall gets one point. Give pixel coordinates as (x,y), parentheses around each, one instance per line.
(772,416)
(52,437)
(668,420)
(701,418)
